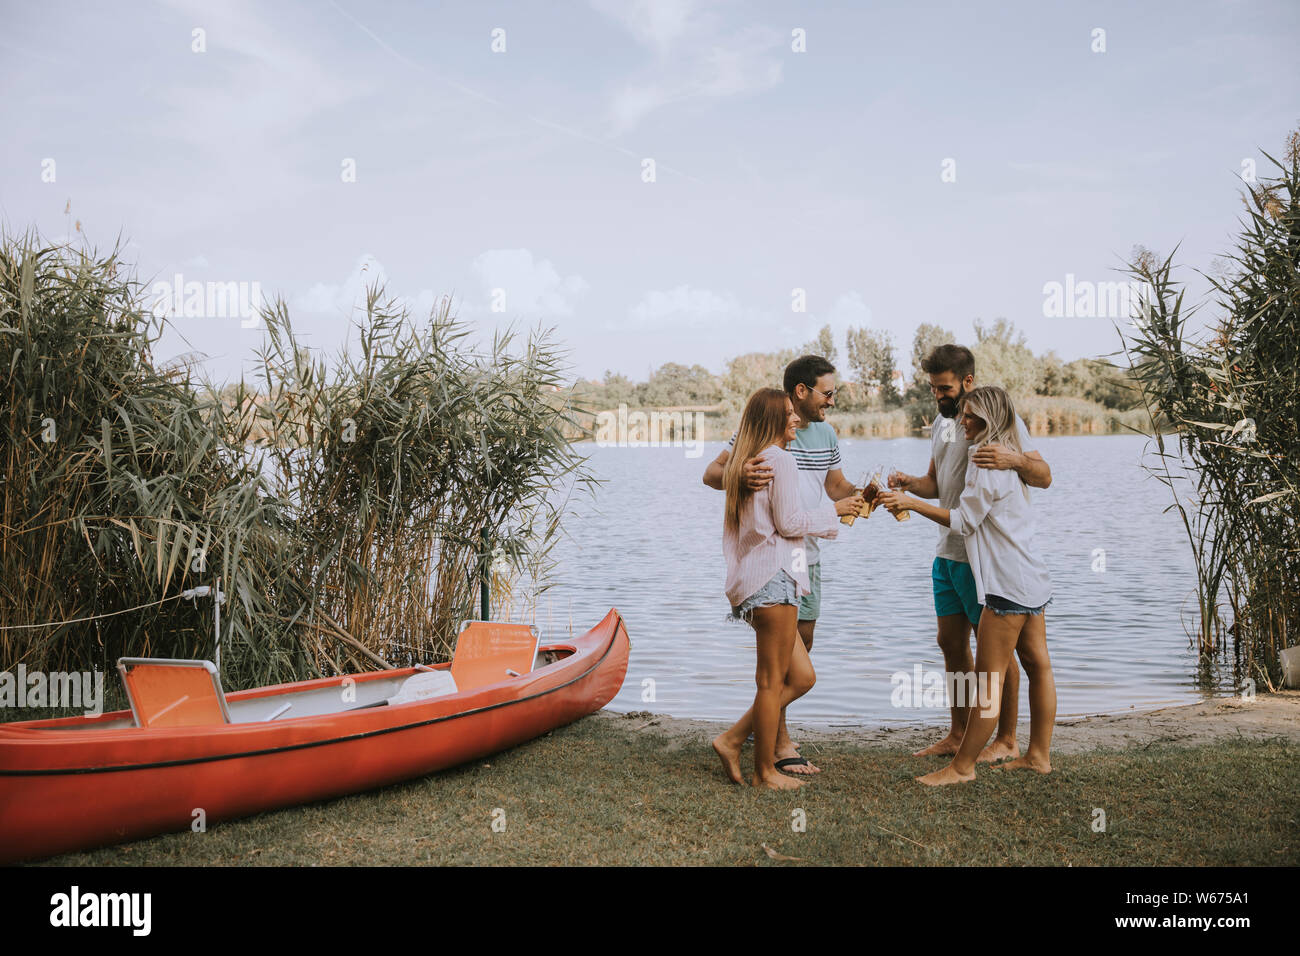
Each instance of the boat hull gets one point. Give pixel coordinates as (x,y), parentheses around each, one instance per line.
(77,787)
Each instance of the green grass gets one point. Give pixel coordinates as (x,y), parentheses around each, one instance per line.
(598,792)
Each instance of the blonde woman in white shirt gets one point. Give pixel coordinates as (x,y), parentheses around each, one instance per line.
(995,519)
(763,542)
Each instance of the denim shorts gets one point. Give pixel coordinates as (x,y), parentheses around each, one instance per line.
(1000,605)
(782,589)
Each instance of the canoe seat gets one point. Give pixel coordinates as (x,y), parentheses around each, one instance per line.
(173,693)
(488,652)
(425,686)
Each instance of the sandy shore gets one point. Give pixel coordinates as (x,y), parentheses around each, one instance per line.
(1187,725)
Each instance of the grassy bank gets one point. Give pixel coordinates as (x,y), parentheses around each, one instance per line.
(607,791)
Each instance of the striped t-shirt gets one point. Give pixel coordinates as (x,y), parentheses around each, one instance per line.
(816,451)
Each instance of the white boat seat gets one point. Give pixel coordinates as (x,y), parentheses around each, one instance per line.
(424,686)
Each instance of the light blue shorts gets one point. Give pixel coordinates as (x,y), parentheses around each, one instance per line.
(782,589)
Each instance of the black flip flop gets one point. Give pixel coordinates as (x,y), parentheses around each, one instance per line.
(791,762)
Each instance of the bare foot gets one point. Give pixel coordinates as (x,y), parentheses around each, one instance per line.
(806,769)
(778,781)
(998,750)
(1027,763)
(730,755)
(946,776)
(943,748)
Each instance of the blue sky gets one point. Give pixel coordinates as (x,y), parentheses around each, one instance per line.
(522,170)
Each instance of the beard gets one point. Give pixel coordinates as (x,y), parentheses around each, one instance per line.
(948,406)
(811,413)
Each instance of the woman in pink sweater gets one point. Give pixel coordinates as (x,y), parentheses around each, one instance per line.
(767,573)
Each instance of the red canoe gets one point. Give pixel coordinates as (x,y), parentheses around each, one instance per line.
(78,782)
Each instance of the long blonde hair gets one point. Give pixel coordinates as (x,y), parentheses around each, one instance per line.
(992,405)
(762,423)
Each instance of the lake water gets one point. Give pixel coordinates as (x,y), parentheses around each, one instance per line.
(650,545)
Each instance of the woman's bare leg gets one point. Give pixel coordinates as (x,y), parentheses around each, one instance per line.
(785,747)
(1004,745)
(731,741)
(775,629)
(1042,696)
(799,679)
(994,643)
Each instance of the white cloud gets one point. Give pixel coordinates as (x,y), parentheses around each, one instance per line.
(695,57)
(654,23)
(531,287)
(848,309)
(258,82)
(350,295)
(683,306)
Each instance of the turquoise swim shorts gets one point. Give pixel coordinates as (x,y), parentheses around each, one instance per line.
(810,605)
(954,590)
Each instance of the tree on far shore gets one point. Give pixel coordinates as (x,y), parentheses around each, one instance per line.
(871,358)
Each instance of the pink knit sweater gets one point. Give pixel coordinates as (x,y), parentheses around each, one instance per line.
(772,528)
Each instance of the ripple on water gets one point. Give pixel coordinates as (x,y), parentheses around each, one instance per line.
(650,545)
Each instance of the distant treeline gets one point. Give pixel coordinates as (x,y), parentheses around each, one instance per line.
(876,398)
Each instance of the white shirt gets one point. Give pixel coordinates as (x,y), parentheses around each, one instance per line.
(950,451)
(995,518)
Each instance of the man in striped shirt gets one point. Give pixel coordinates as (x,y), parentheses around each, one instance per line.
(810,383)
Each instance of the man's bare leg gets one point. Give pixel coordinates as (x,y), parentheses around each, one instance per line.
(785,747)
(954,642)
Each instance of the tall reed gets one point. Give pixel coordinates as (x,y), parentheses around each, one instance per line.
(349,508)
(1234,394)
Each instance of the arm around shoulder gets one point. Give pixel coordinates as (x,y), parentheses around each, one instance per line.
(984,489)
(713,473)
(1035,472)
(788,516)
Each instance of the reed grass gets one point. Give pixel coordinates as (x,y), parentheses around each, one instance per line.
(1060,415)
(1043,415)
(1233,392)
(349,508)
